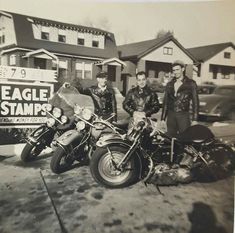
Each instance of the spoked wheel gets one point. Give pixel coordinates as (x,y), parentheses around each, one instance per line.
(104,169)
(60,161)
(31,151)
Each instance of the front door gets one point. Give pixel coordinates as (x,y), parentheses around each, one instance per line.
(40,63)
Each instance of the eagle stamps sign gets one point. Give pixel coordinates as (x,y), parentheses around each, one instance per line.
(21,103)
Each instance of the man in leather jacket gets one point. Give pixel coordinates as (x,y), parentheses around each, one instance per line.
(141,99)
(179,92)
(103,97)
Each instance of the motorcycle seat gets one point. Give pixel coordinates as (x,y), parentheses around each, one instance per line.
(121,125)
(196,134)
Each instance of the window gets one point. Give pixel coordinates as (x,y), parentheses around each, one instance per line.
(81,41)
(45,35)
(81,38)
(225,72)
(62,36)
(13,60)
(83,70)
(227,55)
(167,51)
(95,41)
(3,39)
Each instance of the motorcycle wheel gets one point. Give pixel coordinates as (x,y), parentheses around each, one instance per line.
(59,162)
(31,151)
(104,172)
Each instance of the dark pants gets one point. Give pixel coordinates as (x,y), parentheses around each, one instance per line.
(177,122)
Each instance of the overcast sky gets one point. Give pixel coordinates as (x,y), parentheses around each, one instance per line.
(194,23)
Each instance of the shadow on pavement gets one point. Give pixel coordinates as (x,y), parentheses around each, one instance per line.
(203,219)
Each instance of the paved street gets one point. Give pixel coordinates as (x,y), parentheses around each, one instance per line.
(33,199)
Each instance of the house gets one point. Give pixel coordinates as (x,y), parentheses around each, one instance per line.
(216,63)
(155,57)
(76,52)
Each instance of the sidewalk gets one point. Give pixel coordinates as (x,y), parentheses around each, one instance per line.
(16,149)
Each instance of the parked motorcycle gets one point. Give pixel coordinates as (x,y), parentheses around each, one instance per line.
(78,144)
(147,153)
(42,137)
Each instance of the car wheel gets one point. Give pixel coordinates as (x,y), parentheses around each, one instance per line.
(231,115)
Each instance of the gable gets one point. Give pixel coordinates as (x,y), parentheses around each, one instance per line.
(221,60)
(159,56)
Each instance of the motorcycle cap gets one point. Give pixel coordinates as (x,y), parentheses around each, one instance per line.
(102,74)
(178,63)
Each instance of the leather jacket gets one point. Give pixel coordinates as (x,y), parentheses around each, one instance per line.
(143,100)
(181,101)
(104,100)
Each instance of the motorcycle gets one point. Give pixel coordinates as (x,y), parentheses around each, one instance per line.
(147,153)
(78,144)
(42,137)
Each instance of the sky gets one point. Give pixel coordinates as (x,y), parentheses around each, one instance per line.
(194,22)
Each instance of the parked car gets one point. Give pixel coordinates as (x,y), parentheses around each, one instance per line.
(206,89)
(220,104)
(122,114)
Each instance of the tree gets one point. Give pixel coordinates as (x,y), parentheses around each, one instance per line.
(163,32)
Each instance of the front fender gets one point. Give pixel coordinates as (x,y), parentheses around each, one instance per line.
(41,132)
(118,141)
(109,138)
(68,137)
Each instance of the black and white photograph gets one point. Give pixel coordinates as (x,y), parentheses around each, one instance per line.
(117,116)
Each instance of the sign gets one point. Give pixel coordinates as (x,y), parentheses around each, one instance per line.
(21,103)
(22,73)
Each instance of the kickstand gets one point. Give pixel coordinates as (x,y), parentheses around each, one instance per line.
(158,189)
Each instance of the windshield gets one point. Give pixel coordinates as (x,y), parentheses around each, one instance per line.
(225,91)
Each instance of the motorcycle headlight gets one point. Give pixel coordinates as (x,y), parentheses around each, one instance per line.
(64,119)
(87,114)
(77,109)
(80,125)
(47,107)
(50,122)
(57,112)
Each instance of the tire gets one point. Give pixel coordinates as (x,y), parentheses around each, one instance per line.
(231,115)
(59,162)
(100,167)
(31,151)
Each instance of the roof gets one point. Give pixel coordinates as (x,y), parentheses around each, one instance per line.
(110,60)
(140,49)
(204,53)
(25,38)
